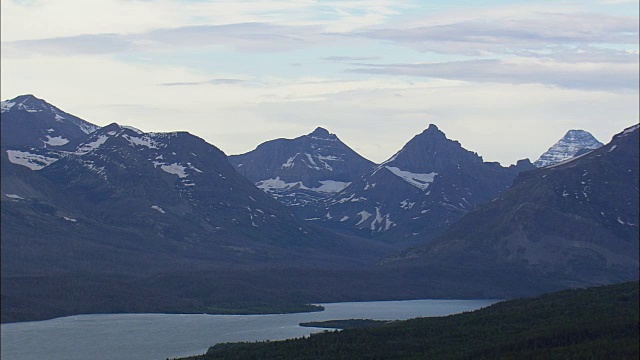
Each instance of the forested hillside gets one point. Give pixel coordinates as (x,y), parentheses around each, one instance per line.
(592,323)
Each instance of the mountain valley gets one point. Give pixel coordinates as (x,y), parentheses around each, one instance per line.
(115,219)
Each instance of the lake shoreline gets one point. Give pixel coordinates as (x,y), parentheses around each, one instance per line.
(160,336)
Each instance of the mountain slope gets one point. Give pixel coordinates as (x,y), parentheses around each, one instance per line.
(302,170)
(573,143)
(575,223)
(425,187)
(27,120)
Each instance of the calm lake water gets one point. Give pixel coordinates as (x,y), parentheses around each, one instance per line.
(161,336)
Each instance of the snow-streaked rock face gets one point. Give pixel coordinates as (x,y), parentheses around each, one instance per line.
(422,189)
(303,170)
(573,143)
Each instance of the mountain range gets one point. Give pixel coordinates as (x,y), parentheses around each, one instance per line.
(574,223)
(426,186)
(417,193)
(117,195)
(113,218)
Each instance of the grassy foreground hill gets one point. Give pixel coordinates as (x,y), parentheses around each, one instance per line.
(591,323)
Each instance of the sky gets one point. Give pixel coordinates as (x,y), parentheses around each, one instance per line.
(506,79)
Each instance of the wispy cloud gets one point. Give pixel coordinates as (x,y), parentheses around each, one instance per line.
(480,36)
(350,58)
(576,71)
(245,37)
(29,20)
(208,82)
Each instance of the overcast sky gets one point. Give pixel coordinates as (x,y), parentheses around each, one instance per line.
(505,78)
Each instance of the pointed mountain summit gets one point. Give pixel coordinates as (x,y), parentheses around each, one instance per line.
(27,120)
(422,189)
(570,224)
(302,170)
(323,134)
(573,143)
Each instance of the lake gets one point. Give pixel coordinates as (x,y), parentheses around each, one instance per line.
(161,336)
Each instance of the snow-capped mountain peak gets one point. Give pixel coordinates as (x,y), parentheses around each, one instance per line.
(573,143)
(301,170)
(34,122)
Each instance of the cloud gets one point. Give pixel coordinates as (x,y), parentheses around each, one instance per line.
(350,58)
(498,34)
(577,70)
(245,37)
(208,82)
(33,20)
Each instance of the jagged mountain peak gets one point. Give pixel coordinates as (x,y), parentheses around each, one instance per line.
(433,129)
(321,133)
(573,143)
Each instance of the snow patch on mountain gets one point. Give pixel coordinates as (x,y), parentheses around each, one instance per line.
(6,105)
(142,141)
(174,169)
(406,204)
(158,208)
(86,127)
(135,130)
(56,141)
(331,186)
(88,147)
(32,161)
(364,215)
(289,163)
(421,181)
(327,186)
(276,183)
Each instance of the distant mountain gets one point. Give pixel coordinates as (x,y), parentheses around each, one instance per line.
(416,194)
(302,170)
(27,120)
(573,224)
(573,143)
